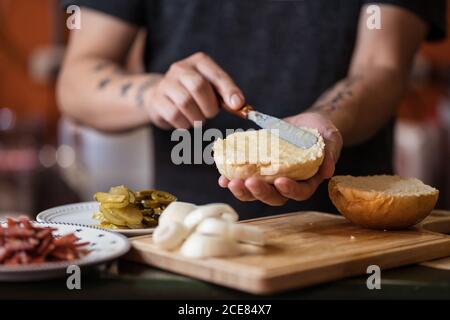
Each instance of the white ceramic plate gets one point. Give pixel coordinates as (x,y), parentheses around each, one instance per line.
(105,246)
(81,214)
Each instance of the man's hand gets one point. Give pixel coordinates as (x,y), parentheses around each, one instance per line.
(187,93)
(283,189)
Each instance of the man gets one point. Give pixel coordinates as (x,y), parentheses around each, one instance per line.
(316,63)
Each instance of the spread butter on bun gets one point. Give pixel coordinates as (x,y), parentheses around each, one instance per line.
(263,155)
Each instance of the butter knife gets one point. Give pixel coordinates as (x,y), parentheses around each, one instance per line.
(286,131)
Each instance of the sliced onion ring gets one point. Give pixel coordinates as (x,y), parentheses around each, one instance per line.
(215,210)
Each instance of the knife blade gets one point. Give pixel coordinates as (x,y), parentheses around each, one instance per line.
(286,131)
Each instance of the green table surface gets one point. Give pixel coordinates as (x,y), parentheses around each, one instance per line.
(128,280)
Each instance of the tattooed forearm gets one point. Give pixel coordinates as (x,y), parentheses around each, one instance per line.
(101,66)
(103,83)
(332,99)
(125,88)
(110,71)
(114,71)
(141,91)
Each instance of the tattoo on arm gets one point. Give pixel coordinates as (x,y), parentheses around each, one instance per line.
(101,66)
(103,83)
(327,103)
(125,88)
(141,91)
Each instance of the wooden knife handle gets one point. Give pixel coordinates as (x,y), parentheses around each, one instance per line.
(241,113)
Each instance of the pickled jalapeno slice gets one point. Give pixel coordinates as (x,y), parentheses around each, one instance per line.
(147,212)
(150,204)
(124,208)
(163,197)
(150,221)
(132,197)
(107,197)
(144,194)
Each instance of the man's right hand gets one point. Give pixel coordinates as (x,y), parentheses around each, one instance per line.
(187,93)
(93,90)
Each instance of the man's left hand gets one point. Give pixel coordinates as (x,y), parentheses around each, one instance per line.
(283,188)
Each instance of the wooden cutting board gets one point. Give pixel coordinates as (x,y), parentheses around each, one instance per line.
(304,249)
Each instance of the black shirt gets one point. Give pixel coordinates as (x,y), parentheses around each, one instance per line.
(282,54)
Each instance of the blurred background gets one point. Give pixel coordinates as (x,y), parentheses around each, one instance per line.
(47,160)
